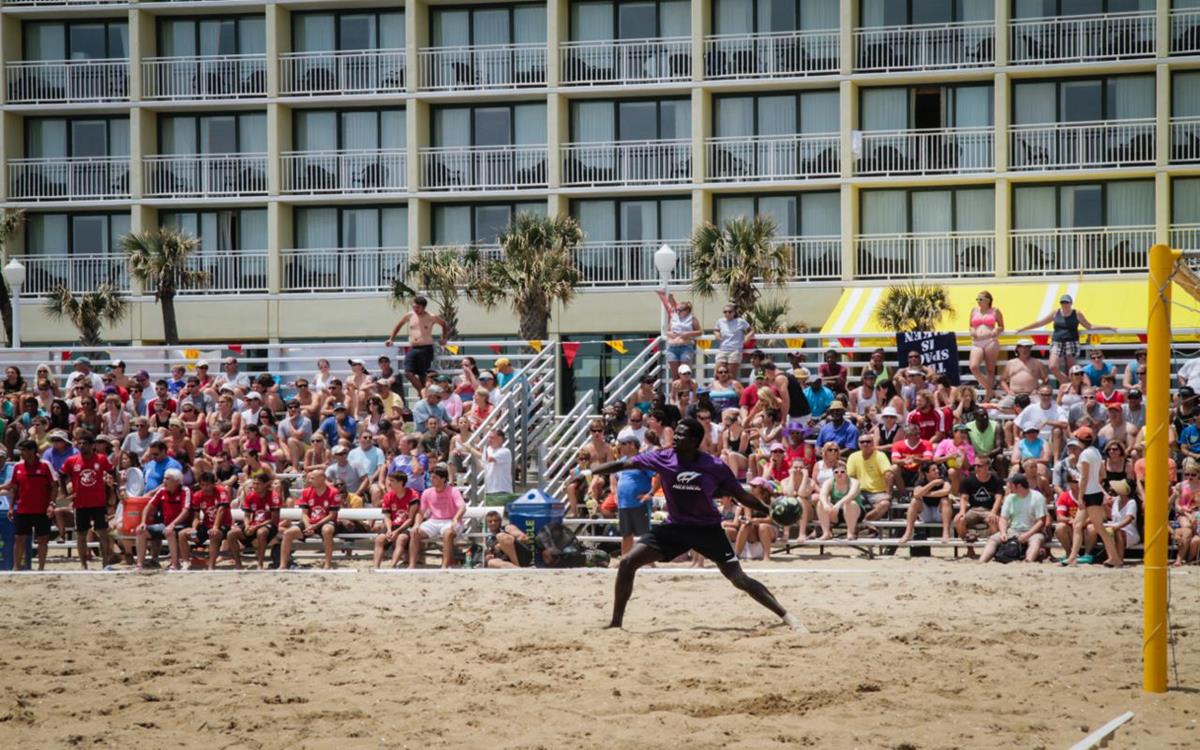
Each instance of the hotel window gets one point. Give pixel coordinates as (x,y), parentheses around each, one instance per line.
(353,247)
(477,224)
(1099,226)
(474,146)
(815,214)
(191,37)
(75,40)
(76,234)
(756,135)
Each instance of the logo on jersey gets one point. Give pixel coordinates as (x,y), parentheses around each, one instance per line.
(87,478)
(687,481)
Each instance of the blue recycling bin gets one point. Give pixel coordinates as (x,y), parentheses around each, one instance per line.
(8,541)
(533,510)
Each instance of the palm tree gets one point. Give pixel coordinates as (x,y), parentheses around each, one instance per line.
(913,307)
(738,256)
(769,315)
(10,223)
(536,269)
(89,311)
(158,260)
(441,274)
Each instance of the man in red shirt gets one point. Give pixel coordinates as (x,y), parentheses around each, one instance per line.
(319,507)
(89,473)
(399,514)
(935,423)
(32,491)
(260,521)
(909,454)
(212,518)
(165,515)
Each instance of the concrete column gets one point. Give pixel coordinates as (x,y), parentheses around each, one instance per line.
(1003,224)
(557,133)
(416,36)
(10,44)
(557,204)
(1001,116)
(847,21)
(701,129)
(279,226)
(702,207)
(848,119)
(417,136)
(1000,41)
(142,44)
(141,219)
(1162,208)
(143,141)
(558,30)
(849,205)
(419,226)
(279,140)
(1162,115)
(701,26)
(279,28)
(1162,29)
(12,140)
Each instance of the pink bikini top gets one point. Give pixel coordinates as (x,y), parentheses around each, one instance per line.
(981,319)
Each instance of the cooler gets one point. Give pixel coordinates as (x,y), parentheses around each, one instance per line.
(131,514)
(533,510)
(7,540)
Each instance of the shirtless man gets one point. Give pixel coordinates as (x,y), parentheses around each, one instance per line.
(1024,374)
(1118,428)
(419,359)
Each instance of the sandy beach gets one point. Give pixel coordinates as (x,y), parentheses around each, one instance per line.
(903,654)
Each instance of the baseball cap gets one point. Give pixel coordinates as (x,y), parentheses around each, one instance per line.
(357,361)
(487,375)
(960,428)
(59,435)
(118,363)
(1065,298)
(230,360)
(505,362)
(777,447)
(1025,342)
(254,396)
(143,375)
(1077,370)
(435,389)
(683,369)
(1187,392)
(339,450)
(1135,393)
(1115,407)
(83,361)
(226,387)
(837,406)
(1084,434)
(339,407)
(1073,443)
(889,412)
(760,482)
(202,363)
(1031,428)
(629,439)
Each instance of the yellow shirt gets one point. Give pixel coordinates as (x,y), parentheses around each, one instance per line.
(869,472)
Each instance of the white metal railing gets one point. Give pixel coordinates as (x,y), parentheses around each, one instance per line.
(1035,252)
(75,178)
(483,167)
(649,361)
(1104,36)
(630,262)
(934,151)
(1185,139)
(229,272)
(627,162)
(56,81)
(365,71)
(205,77)
(1082,145)
(619,61)
(563,442)
(1185,236)
(931,46)
(1185,30)
(351,269)
(487,66)
(917,255)
(204,175)
(63,2)
(754,158)
(351,171)
(771,55)
(79,273)
(814,258)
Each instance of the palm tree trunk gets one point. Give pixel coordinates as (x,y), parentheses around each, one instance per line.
(170,328)
(534,322)
(6,311)
(449,310)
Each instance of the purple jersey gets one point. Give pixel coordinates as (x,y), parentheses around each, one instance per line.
(689,490)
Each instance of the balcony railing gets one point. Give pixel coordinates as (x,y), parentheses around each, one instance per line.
(888,152)
(229,272)
(775,55)
(205,77)
(918,255)
(1185,236)
(205,175)
(627,162)
(491,66)
(367,71)
(620,61)
(1185,139)
(1059,39)
(1035,252)
(67,81)
(1082,145)
(757,158)
(1185,31)
(630,263)
(358,171)
(78,178)
(351,269)
(483,167)
(70,3)
(925,46)
(79,273)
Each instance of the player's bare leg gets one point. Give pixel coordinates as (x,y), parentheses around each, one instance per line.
(757,591)
(639,556)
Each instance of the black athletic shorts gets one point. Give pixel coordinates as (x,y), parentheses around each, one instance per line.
(90,518)
(317,533)
(672,540)
(1093,500)
(634,521)
(249,539)
(202,534)
(418,360)
(25,524)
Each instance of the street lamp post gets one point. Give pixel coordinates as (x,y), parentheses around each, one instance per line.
(14,274)
(664,261)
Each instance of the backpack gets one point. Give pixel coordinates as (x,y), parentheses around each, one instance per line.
(556,547)
(1010,551)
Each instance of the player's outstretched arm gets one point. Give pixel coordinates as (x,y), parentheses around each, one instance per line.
(611,467)
(750,501)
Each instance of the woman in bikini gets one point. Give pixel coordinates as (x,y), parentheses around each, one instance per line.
(987,323)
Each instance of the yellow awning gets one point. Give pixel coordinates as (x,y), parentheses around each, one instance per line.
(1119,304)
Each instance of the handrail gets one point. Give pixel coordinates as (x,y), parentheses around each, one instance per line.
(619,387)
(564,440)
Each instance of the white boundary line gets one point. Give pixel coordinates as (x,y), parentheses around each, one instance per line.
(223,571)
(649,571)
(1100,737)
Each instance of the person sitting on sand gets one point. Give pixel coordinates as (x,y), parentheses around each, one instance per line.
(505,545)
(319,507)
(1022,517)
(930,503)
(401,508)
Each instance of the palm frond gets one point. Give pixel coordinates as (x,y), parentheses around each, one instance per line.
(739,258)
(88,312)
(11,222)
(913,307)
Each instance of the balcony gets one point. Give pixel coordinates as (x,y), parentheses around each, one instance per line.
(352,269)
(759,158)
(366,71)
(69,3)
(1185,139)
(1062,39)
(1082,145)
(779,54)
(229,272)
(1037,252)
(936,46)
(492,66)
(614,62)
(84,178)
(483,167)
(79,273)
(920,255)
(205,175)
(630,263)
(627,163)
(894,152)
(1185,31)
(67,81)
(206,77)
(358,171)
(1186,237)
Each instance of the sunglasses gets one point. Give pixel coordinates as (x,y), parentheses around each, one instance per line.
(839,471)
(1190,476)
(635,421)
(597,430)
